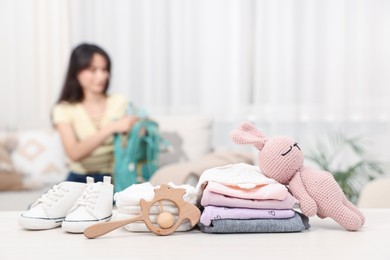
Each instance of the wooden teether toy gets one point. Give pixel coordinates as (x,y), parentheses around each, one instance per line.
(165,220)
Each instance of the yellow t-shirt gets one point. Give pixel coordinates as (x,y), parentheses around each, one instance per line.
(102,157)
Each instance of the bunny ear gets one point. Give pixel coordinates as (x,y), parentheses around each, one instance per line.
(247,133)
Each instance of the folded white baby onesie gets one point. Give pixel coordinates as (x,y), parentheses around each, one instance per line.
(242,175)
(128,205)
(133,194)
(155,209)
(141,226)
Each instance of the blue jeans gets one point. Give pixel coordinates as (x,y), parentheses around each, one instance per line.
(76,177)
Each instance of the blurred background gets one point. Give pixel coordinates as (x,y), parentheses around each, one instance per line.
(306,68)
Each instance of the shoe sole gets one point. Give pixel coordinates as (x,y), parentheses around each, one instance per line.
(39,223)
(78,226)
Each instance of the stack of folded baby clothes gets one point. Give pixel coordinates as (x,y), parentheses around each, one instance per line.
(127,202)
(238,198)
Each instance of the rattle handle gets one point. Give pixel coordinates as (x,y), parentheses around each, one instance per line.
(103,228)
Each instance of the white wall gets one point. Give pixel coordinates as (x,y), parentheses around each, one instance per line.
(302,67)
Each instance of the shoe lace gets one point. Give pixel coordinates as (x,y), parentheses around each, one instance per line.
(89,197)
(52,196)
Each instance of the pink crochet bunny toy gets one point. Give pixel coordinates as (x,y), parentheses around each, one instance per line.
(281,159)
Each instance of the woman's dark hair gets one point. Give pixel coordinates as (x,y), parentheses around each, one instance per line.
(80,59)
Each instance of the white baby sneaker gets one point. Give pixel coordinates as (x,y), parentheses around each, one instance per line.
(51,208)
(94,206)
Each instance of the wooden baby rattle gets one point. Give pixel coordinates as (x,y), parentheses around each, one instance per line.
(165,220)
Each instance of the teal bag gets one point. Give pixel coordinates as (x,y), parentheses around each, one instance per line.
(136,154)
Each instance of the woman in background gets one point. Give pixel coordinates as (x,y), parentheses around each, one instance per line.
(86,117)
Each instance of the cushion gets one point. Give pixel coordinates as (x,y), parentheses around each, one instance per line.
(11,181)
(190,137)
(9,178)
(40,157)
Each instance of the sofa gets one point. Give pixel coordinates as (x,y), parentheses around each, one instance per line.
(39,161)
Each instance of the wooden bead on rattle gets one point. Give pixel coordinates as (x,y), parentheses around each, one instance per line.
(165,220)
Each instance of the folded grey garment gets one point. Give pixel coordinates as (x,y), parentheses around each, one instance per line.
(297,223)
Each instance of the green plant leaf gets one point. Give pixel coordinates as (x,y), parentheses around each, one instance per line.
(353,177)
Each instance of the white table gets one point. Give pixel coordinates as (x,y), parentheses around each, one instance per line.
(325,240)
